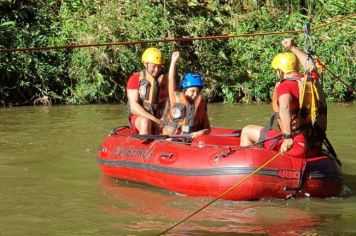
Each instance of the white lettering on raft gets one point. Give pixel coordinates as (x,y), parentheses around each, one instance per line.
(133,152)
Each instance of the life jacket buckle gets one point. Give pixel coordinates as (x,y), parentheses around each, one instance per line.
(186,129)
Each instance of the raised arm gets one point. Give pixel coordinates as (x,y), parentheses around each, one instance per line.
(172,77)
(302,56)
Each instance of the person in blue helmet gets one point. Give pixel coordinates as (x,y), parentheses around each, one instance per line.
(188,110)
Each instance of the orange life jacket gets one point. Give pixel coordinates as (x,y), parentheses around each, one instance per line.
(310,117)
(185,117)
(153,93)
(312,105)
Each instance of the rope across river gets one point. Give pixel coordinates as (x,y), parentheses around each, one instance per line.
(186,39)
(183,39)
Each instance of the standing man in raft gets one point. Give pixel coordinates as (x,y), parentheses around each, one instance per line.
(299,105)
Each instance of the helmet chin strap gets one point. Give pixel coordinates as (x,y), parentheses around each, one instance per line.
(280,74)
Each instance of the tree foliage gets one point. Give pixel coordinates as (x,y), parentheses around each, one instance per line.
(235,69)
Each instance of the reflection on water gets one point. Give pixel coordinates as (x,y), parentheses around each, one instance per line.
(51,183)
(224,217)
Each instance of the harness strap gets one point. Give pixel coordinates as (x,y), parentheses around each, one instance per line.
(331,149)
(267,127)
(156,94)
(153,105)
(327,143)
(151,108)
(172,124)
(301,181)
(189,118)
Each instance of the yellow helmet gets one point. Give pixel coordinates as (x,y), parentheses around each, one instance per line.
(286,62)
(153,55)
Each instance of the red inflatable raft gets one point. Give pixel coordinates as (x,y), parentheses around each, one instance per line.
(213,163)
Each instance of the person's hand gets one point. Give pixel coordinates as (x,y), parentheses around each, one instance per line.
(158,121)
(286,145)
(288,43)
(175,56)
(196,134)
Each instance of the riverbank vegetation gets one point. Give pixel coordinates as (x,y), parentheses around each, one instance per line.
(235,69)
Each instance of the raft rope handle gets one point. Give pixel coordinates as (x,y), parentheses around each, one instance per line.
(183,39)
(277,137)
(222,194)
(114,131)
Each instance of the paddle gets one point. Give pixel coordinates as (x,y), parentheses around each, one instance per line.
(179,136)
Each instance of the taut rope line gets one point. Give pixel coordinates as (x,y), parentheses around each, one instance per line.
(184,39)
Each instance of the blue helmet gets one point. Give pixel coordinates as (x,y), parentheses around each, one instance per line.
(192,80)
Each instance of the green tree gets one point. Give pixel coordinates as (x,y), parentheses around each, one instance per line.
(235,69)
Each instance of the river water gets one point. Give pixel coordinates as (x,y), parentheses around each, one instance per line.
(50,183)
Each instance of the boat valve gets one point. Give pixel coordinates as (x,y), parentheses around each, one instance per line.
(167,155)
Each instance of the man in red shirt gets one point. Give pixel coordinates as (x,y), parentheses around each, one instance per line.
(285,104)
(147,93)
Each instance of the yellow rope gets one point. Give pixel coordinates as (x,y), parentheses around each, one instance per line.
(301,99)
(301,102)
(312,105)
(316,92)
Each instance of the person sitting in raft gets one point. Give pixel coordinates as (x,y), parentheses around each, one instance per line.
(188,111)
(299,105)
(147,93)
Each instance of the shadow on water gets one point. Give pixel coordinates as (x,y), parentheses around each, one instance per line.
(159,210)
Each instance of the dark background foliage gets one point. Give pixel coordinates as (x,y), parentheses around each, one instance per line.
(235,70)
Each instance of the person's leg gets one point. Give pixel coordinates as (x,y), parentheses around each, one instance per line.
(132,121)
(143,125)
(250,134)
